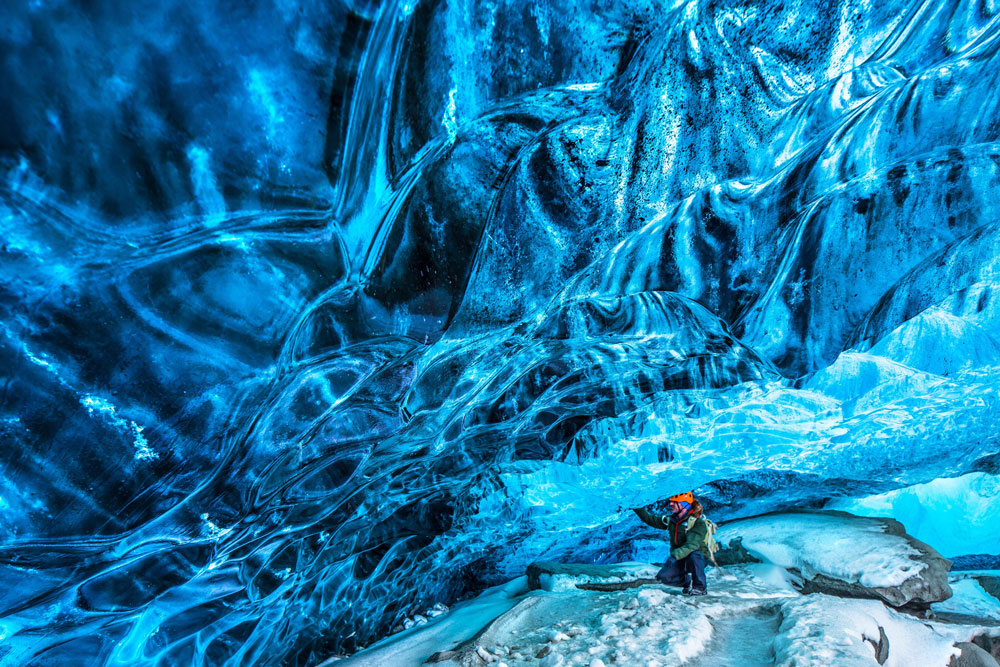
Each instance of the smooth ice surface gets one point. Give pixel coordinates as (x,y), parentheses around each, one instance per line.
(313,316)
(854,551)
(414,645)
(958,515)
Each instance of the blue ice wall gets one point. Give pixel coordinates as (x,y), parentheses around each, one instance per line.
(316,314)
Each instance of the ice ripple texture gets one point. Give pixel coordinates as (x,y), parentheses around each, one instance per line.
(315,316)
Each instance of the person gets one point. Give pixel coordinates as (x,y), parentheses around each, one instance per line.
(689,543)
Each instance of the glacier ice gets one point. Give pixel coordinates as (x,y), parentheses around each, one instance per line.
(316,315)
(970,597)
(958,514)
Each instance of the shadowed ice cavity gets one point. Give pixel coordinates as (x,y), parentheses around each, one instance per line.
(314,317)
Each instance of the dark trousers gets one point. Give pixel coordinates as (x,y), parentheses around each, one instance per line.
(676,572)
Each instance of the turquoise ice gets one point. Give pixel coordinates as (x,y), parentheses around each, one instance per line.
(314,316)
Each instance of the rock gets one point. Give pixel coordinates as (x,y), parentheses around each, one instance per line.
(990,584)
(441,656)
(976,562)
(972,656)
(845,555)
(881,646)
(734,553)
(988,643)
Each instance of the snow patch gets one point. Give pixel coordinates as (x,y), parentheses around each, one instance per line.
(820,631)
(856,551)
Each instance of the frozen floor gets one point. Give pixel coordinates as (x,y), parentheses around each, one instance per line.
(744,640)
(751,617)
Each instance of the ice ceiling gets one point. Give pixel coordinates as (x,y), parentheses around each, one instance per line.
(316,314)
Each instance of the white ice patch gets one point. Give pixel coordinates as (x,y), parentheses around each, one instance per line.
(206,188)
(450,117)
(96,404)
(851,550)
(938,342)
(865,381)
(213,530)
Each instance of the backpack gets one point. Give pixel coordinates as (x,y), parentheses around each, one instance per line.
(711,545)
(710,542)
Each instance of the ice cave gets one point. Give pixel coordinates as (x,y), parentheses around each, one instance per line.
(351,332)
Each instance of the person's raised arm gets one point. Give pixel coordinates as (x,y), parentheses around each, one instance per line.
(650,519)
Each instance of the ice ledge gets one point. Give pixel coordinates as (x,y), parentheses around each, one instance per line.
(560,577)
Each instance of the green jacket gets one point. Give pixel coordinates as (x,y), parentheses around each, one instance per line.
(686,536)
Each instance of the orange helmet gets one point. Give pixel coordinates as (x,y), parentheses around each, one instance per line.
(686,497)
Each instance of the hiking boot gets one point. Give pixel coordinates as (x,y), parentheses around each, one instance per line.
(695,591)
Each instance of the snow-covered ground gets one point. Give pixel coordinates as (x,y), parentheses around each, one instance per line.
(752,616)
(824,631)
(576,615)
